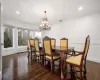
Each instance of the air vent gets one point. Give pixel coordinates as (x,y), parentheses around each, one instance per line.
(60,20)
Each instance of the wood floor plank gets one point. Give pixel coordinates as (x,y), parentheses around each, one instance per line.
(18,67)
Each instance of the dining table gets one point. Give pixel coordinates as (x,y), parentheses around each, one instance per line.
(64,51)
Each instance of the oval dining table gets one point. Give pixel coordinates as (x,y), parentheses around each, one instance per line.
(64,51)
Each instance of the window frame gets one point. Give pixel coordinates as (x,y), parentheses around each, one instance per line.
(21,46)
(8,48)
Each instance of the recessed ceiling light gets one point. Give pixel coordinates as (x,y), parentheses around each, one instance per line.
(80,8)
(17,12)
(60,20)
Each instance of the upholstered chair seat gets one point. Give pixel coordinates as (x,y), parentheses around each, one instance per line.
(76,60)
(54,57)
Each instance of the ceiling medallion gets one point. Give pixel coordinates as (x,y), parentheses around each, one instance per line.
(44,24)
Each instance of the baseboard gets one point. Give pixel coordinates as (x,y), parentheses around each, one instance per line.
(15,53)
(10,51)
(0,75)
(94,59)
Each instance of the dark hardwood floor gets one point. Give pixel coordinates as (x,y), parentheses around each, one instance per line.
(17,67)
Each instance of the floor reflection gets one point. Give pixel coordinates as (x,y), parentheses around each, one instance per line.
(18,67)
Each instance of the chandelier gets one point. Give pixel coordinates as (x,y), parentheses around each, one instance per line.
(44,24)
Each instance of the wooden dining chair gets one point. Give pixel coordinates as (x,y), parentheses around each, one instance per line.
(49,55)
(31,46)
(79,60)
(53,43)
(31,41)
(28,48)
(64,44)
(64,47)
(38,52)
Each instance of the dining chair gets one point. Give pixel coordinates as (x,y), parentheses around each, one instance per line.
(31,42)
(39,53)
(28,48)
(64,47)
(53,43)
(64,44)
(79,60)
(31,46)
(49,55)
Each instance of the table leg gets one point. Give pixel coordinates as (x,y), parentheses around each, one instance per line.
(31,52)
(62,75)
(62,65)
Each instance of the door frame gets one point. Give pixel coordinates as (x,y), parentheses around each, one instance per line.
(1,25)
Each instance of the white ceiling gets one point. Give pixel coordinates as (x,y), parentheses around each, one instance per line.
(31,11)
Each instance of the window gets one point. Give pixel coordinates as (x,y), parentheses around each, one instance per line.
(31,35)
(8,36)
(38,35)
(23,36)
(21,41)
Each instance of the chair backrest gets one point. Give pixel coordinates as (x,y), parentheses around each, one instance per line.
(47,45)
(86,48)
(63,44)
(31,41)
(36,44)
(53,43)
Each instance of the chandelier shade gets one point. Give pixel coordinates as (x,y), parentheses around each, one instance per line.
(44,23)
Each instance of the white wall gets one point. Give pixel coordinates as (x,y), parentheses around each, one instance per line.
(76,31)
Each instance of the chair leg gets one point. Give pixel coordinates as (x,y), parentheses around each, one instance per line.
(40,57)
(70,68)
(65,69)
(72,72)
(31,54)
(85,70)
(35,57)
(44,61)
(60,64)
(81,77)
(52,66)
(28,54)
